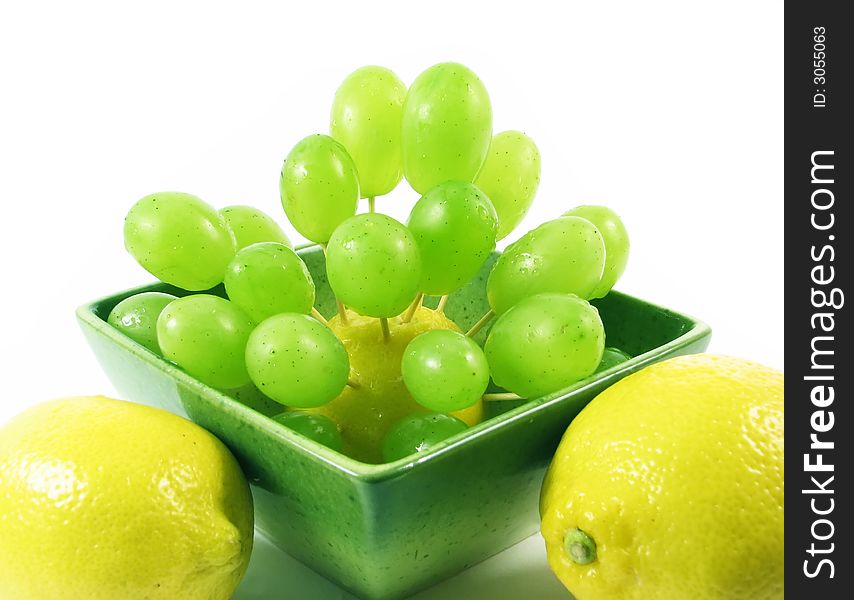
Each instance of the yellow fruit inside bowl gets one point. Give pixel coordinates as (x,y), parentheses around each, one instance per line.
(364,414)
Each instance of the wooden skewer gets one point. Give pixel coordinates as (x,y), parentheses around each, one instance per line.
(384,327)
(480,324)
(354,384)
(501,396)
(316,314)
(416,304)
(442,302)
(342,311)
(372,207)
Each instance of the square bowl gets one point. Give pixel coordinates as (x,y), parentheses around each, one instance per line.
(387,531)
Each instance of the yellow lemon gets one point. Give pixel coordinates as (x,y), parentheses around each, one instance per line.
(669,485)
(108,500)
(365,414)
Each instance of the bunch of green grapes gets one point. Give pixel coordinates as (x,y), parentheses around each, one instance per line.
(261,328)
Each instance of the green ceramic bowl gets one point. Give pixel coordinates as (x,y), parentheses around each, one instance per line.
(387,531)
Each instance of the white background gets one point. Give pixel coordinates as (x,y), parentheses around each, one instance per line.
(669,112)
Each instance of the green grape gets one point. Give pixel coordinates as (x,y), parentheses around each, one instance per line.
(454,225)
(611,357)
(319,187)
(565,255)
(366,115)
(179,239)
(206,336)
(315,427)
(252,397)
(297,361)
(251,226)
(510,177)
(544,344)
(373,265)
(267,279)
(616,240)
(447,126)
(418,433)
(444,370)
(136,317)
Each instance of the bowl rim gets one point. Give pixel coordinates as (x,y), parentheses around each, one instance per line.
(366,472)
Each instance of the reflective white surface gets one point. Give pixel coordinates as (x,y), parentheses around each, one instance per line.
(518,573)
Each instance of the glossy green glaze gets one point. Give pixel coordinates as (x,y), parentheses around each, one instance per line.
(387,531)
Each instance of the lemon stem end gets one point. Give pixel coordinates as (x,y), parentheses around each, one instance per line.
(579,547)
